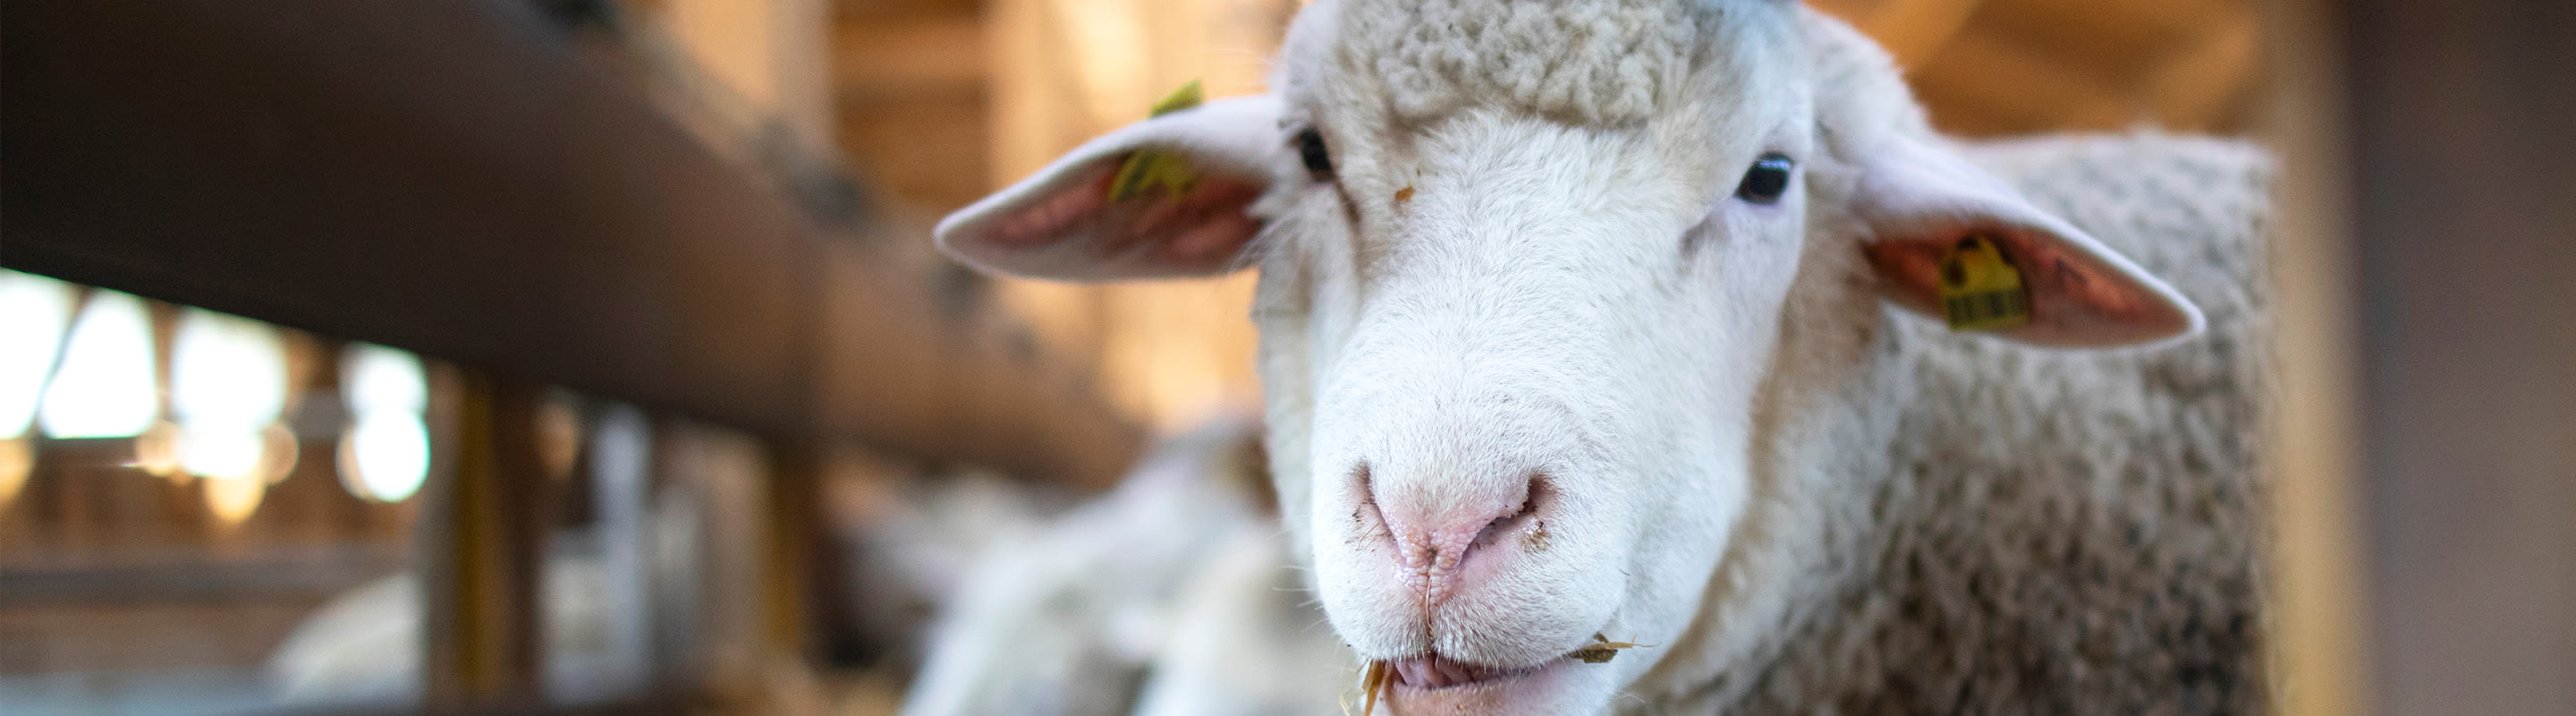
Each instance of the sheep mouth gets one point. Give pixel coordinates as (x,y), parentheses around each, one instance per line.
(1437,672)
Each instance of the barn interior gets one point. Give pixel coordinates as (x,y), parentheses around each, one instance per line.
(591,356)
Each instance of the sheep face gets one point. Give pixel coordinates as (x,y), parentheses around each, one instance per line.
(1511,337)
(1525,273)
(1526,389)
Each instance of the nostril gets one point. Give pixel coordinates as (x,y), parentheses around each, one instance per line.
(1366,517)
(1532,501)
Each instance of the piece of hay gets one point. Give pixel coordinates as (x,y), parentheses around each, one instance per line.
(1374,678)
(1602,650)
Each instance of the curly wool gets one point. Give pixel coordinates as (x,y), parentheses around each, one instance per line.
(1586,63)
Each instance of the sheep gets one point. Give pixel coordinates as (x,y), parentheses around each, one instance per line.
(907,542)
(1607,321)
(1071,618)
(364,645)
(1245,640)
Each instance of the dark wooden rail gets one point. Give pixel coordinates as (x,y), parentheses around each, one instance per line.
(459,179)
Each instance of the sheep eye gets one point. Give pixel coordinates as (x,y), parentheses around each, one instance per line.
(1310,149)
(1767,180)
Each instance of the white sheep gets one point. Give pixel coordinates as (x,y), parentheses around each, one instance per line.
(1598,320)
(1068,618)
(906,545)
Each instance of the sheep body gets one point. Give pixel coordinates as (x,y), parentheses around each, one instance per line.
(1070,618)
(1991,528)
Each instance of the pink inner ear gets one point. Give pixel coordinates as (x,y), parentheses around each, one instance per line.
(1196,231)
(2075,299)
(1052,217)
(1207,225)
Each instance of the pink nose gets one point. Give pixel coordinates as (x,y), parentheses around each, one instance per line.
(1436,532)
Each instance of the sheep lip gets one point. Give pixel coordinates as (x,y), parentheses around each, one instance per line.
(1434,673)
(1540,689)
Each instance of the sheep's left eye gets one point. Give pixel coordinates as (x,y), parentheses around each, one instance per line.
(1767,180)
(1310,149)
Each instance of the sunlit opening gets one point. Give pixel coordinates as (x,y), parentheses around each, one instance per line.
(33,312)
(384,455)
(375,378)
(156,451)
(226,373)
(17,458)
(233,499)
(223,453)
(387,454)
(279,452)
(106,387)
(559,433)
(227,386)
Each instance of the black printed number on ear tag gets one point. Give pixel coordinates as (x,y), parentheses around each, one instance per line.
(1980,289)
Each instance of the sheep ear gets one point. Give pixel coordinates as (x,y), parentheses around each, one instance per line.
(1953,242)
(1161,198)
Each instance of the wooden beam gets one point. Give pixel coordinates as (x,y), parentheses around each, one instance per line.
(884,59)
(771,53)
(454,179)
(2109,38)
(2208,79)
(2020,90)
(914,105)
(1918,30)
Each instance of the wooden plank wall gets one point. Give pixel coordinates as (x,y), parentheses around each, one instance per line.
(2464,155)
(1995,67)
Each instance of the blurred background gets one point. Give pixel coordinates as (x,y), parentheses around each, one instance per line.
(540,356)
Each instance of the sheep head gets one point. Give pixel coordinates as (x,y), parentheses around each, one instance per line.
(1529,274)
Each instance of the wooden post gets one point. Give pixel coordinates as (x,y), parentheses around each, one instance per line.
(791,535)
(482,553)
(2316,557)
(776,54)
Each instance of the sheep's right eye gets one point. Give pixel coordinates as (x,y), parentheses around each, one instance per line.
(1767,180)
(1310,149)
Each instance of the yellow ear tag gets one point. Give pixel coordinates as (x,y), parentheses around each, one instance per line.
(1980,289)
(1154,168)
